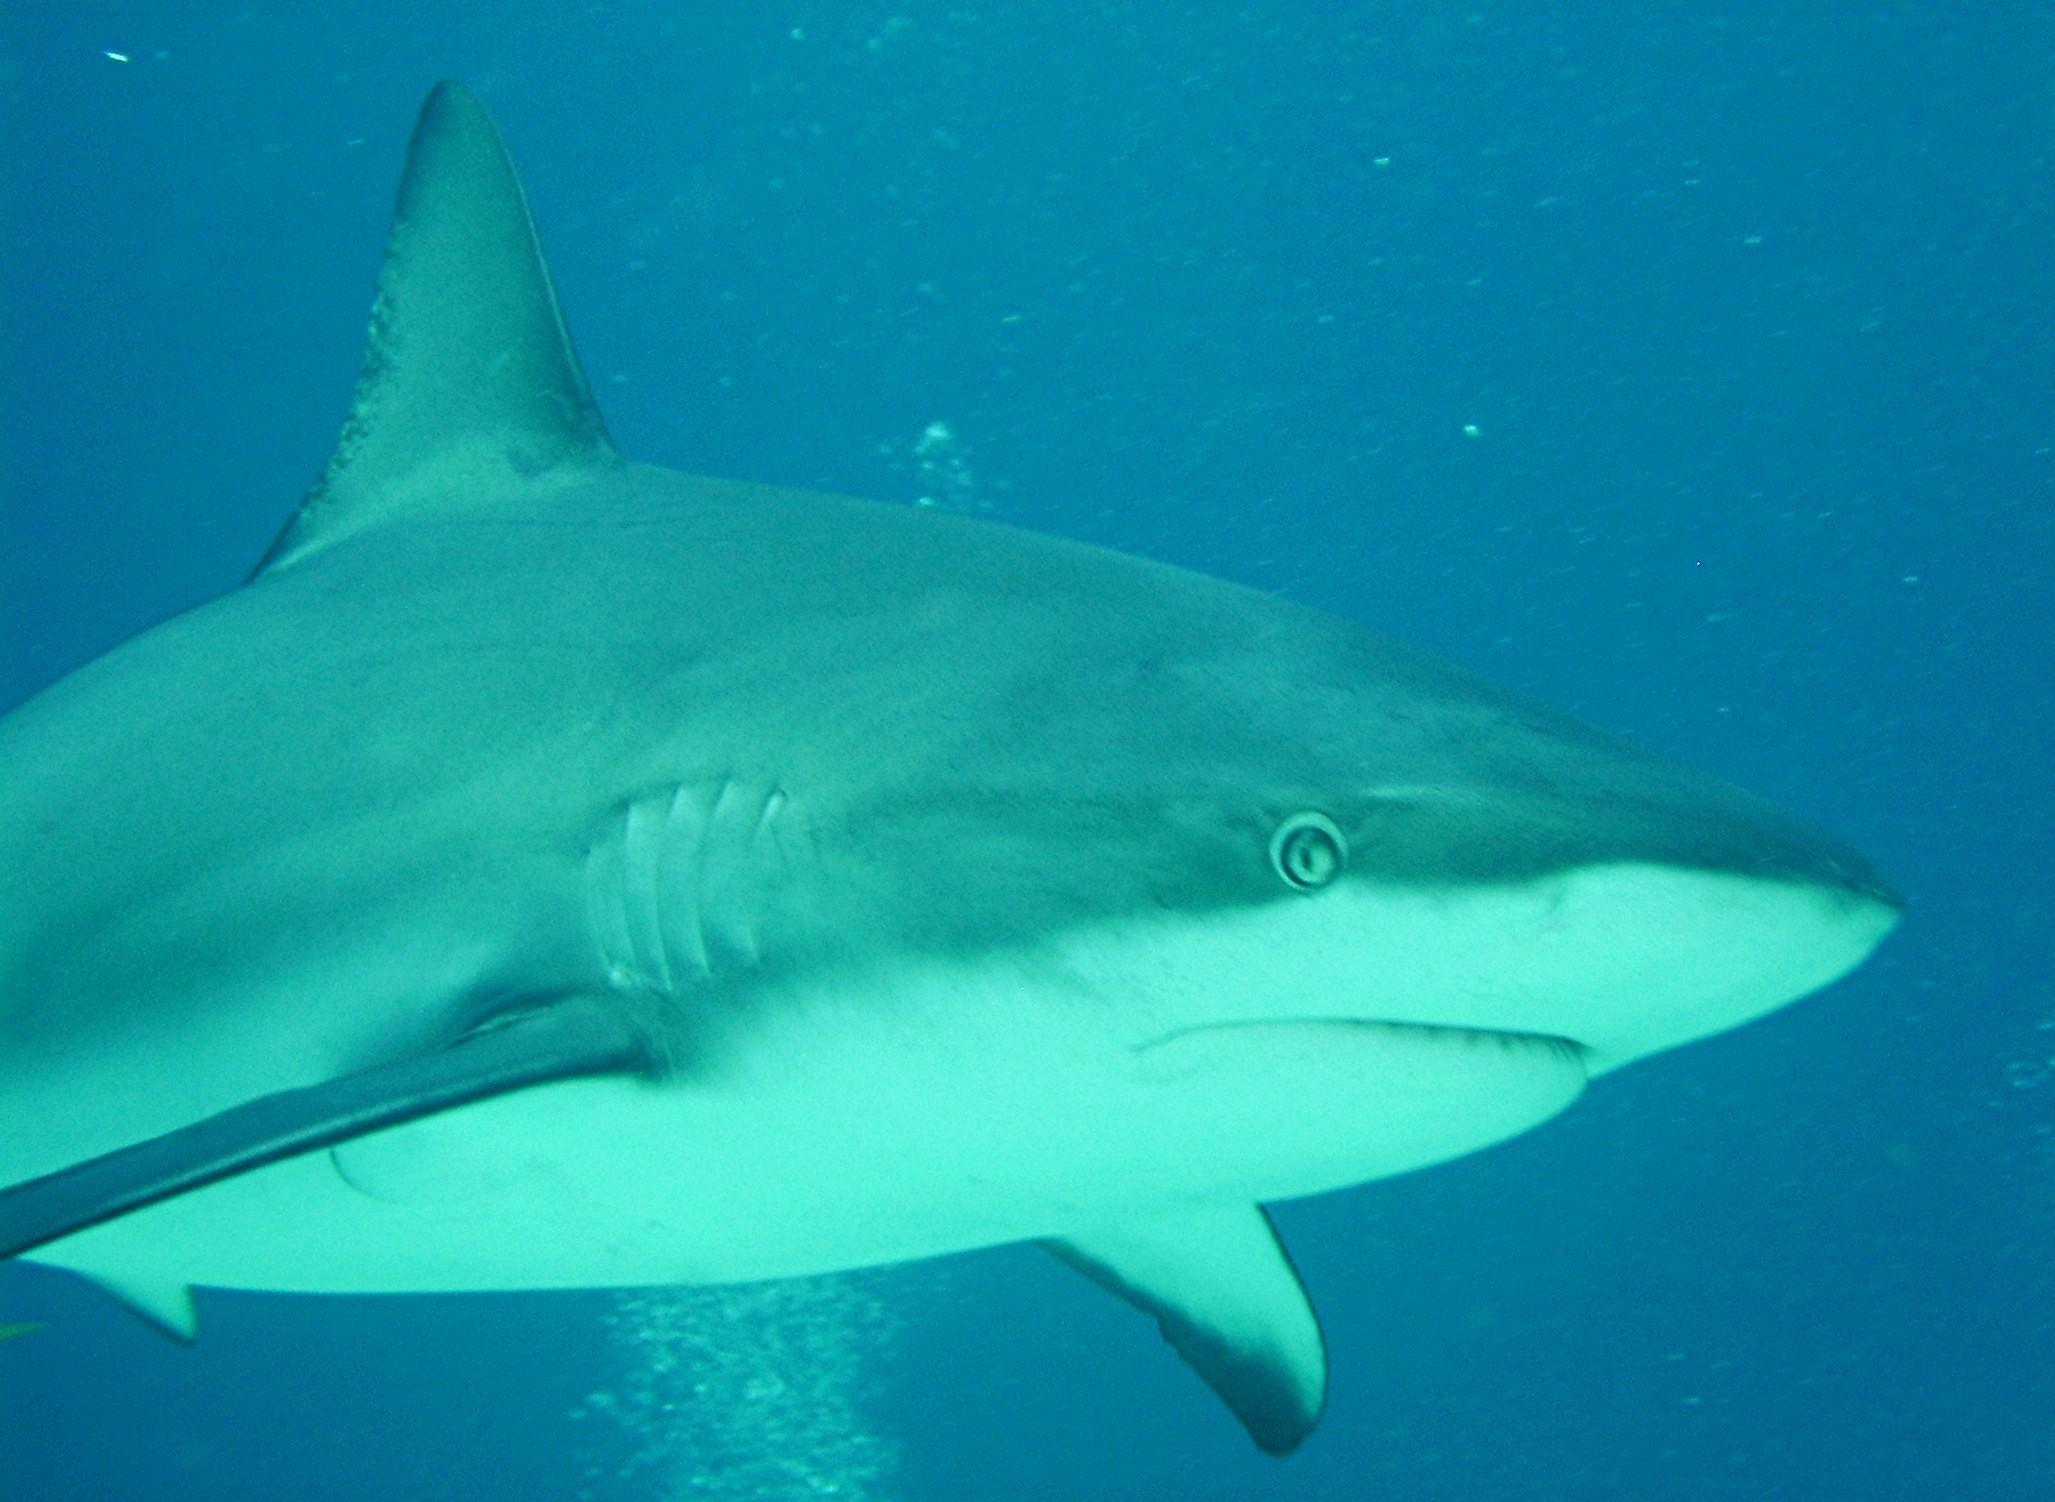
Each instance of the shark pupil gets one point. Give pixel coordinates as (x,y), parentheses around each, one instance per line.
(1308,851)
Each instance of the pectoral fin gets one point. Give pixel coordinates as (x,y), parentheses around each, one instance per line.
(1226,1296)
(565,1039)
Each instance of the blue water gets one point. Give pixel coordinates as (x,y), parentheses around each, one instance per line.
(1691,368)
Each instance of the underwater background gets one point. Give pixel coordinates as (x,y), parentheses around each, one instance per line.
(1688,366)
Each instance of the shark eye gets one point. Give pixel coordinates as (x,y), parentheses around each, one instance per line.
(1308,851)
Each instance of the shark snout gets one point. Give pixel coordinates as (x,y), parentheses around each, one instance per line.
(1637,959)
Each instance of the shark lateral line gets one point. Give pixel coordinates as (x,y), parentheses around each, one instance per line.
(552,871)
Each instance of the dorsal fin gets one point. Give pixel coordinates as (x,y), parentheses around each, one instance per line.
(470,384)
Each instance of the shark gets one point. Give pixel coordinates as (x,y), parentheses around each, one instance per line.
(549,871)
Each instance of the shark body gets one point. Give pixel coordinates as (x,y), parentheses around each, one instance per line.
(554,871)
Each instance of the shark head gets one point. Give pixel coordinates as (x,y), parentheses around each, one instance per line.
(1244,810)
(553,871)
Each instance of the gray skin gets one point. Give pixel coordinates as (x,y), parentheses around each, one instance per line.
(996,736)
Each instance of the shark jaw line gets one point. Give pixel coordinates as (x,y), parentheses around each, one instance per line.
(1610,959)
(1396,1025)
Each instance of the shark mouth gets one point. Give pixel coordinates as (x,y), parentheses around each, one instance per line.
(1344,1100)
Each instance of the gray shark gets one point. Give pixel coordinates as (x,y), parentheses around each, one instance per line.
(551,871)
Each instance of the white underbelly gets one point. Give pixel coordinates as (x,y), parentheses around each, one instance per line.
(849,1133)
